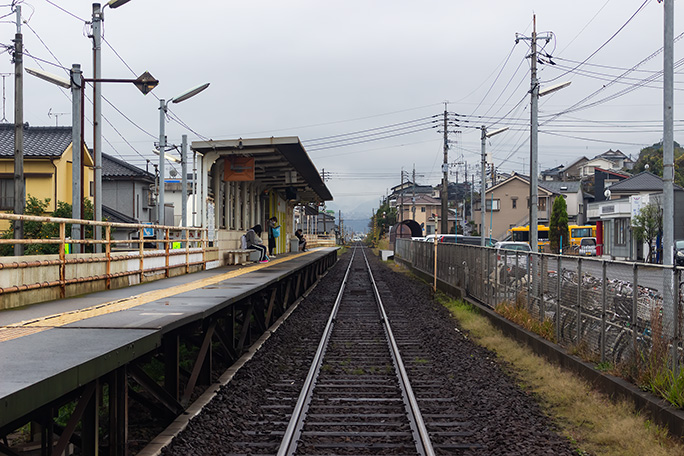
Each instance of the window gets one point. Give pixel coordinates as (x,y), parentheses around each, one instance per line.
(620,231)
(514,203)
(6,194)
(422,209)
(541,204)
(492,205)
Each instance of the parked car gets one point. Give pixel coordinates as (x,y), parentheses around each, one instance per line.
(679,252)
(508,251)
(468,240)
(587,246)
(430,238)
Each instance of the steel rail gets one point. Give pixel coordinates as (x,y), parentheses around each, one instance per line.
(423,442)
(288,444)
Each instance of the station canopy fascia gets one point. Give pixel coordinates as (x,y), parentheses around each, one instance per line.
(280,163)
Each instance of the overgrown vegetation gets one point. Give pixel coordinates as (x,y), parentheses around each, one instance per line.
(595,424)
(518,313)
(44,230)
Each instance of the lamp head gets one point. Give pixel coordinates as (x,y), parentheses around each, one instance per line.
(189,93)
(44,75)
(116,3)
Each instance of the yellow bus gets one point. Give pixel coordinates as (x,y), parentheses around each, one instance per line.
(522,234)
(577,232)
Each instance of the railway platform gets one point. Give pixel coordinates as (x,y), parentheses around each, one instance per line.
(187,327)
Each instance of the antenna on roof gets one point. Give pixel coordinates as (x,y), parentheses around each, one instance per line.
(56,114)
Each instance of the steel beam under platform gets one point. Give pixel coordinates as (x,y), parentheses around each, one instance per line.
(154,351)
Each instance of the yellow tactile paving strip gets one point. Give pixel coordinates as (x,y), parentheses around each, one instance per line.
(25,328)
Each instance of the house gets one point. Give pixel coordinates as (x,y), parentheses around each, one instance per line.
(612,160)
(553,174)
(422,209)
(621,160)
(507,205)
(128,190)
(573,171)
(613,216)
(603,179)
(574,198)
(47,166)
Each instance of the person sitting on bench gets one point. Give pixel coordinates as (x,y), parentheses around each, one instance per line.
(254,242)
(302,240)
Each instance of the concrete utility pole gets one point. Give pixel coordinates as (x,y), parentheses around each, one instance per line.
(184,181)
(483,186)
(76,153)
(413,197)
(19,187)
(534,129)
(401,196)
(669,302)
(97,119)
(445,179)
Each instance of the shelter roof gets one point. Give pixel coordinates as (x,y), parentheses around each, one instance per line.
(281,163)
(47,142)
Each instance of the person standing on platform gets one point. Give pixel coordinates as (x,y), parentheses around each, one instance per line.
(254,242)
(273,233)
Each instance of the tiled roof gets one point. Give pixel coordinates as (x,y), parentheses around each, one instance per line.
(38,141)
(642,182)
(561,186)
(115,169)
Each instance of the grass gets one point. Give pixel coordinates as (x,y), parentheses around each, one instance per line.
(596,425)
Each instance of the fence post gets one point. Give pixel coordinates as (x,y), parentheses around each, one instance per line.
(528,273)
(559,278)
(62,259)
(517,282)
(635,302)
(187,251)
(579,299)
(676,322)
(141,252)
(167,246)
(542,273)
(108,254)
(604,299)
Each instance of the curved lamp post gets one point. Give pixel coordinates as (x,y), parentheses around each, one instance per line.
(163,107)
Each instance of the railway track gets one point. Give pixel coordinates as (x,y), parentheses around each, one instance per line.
(354,402)
(357,397)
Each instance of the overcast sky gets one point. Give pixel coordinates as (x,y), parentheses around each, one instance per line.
(320,69)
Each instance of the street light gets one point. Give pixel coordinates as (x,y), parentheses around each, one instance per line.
(145,83)
(163,107)
(534,145)
(483,176)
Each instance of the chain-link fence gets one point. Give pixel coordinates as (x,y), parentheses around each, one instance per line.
(610,310)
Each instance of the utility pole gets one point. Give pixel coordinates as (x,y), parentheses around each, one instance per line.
(669,287)
(97,120)
(184,181)
(445,179)
(19,189)
(534,130)
(76,154)
(413,197)
(401,196)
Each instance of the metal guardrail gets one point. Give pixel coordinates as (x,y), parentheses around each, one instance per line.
(192,241)
(612,309)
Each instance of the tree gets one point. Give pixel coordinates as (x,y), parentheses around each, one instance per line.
(558,227)
(647,225)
